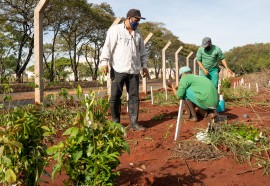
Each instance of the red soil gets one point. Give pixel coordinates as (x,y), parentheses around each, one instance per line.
(149,164)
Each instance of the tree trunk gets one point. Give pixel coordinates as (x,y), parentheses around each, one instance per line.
(76,78)
(19,77)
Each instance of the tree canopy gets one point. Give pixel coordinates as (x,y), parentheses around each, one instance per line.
(76,29)
(249,58)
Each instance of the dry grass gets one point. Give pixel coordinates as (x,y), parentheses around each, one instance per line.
(195,150)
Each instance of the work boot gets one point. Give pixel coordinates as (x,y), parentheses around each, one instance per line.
(133,110)
(115,107)
(136,127)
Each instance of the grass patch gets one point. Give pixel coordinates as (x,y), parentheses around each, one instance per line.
(239,96)
(160,99)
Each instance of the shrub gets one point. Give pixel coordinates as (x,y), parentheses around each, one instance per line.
(90,152)
(226,83)
(22,152)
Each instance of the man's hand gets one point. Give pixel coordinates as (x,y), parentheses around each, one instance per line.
(205,72)
(145,73)
(169,83)
(104,70)
(230,71)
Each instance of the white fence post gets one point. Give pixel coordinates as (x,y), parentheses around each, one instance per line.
(187,59)
(38,49)
(194,65)
(177,65)
(164,63)
(144,79)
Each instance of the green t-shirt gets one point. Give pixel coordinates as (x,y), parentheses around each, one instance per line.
(210,58)
(205,92)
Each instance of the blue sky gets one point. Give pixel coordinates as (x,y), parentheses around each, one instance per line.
(230,23)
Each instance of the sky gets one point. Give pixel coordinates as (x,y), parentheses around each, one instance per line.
(229,23)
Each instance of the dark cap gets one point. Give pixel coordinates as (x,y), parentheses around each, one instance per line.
(134,13)
(206,42)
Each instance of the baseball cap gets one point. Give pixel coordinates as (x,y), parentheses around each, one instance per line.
(135,13)
(206,42)
(184,69)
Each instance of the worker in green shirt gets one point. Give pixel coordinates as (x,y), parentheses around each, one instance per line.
(196,91)
(208,57)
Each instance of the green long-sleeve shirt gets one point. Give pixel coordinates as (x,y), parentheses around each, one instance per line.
(205,93)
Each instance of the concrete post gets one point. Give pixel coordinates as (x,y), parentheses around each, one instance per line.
(109,82)
(194,65)
(177,65)
(144,79)
(164,63)
(38,49)
(187,59)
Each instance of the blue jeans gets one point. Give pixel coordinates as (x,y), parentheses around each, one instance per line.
(132,85)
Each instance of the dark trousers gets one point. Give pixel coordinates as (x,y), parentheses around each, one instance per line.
(132,85)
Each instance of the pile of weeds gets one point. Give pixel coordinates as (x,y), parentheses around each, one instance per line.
(195,150)
(244,142)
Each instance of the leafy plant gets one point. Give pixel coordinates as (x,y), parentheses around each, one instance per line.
(89,154)
(22,152)
(226,83)
(7,97)
(63,93)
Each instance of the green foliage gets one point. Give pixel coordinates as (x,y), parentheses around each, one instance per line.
(243,141)
(60,65)
(160,98)
(246,132)
(226,83)
(22,152)
(89,154)
(249,58)
(238,96)
(161,36)
(158,117)
(63,93)
(7,90)
(84,71)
